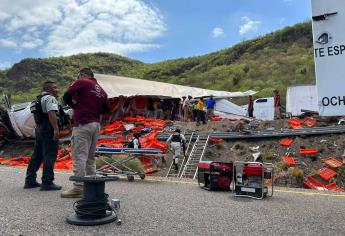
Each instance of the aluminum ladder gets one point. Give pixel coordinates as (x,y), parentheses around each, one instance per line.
(191,167)
(171,172)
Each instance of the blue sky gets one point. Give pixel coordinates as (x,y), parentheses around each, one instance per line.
(147,30)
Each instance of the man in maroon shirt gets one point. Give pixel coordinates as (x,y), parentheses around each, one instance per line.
(276,105)
(88,101)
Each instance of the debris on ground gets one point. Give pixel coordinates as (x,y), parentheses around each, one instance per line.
(298,160)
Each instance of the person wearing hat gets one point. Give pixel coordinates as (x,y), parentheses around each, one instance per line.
(177,142)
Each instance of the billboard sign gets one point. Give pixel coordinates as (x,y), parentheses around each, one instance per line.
(328,19)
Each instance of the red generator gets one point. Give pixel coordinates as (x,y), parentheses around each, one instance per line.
(251,179)
(215,176)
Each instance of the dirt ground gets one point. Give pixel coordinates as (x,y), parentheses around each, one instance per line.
(271,151)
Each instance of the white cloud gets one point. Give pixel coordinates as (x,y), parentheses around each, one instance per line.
(248,25)
(8,43)
(4,15)
(65,27)
(217,32)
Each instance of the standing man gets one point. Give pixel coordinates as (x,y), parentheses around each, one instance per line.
(210,105)
(250,106)
(200,111)
(178,141)
(276,105)
(45,111)
(88,101)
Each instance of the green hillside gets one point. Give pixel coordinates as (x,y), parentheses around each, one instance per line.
(276,60)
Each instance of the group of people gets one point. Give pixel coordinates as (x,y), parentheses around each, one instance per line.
(184,109)
(197,110)
(88,101)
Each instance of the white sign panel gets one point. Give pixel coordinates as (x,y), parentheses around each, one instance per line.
(302,97)
(328,18)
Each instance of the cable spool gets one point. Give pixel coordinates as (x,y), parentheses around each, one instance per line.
(93,208)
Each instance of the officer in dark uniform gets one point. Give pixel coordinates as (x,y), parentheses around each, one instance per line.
(45,111)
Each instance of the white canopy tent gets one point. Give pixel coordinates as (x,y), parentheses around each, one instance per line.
(116,86)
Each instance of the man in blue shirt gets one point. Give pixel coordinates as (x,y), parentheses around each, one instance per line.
(210,105)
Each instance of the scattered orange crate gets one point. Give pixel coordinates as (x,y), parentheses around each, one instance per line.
(327,174)
(308,151)
(332,162)
(286,142)
(289,160)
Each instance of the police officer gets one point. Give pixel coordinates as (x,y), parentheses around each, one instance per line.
(178,141)
(46,139)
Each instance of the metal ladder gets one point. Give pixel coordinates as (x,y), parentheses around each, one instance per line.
(191,167)
(171,171)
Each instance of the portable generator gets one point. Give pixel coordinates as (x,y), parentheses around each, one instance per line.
(215,176)
(252,179)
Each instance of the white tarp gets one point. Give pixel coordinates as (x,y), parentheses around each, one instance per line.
(227,109)
(22,120)
(329,55)
(301,97)
(116,86)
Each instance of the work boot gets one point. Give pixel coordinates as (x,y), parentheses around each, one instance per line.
(50,187)
(31,184)
(73,193)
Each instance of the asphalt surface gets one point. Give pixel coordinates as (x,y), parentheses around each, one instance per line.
(165,208)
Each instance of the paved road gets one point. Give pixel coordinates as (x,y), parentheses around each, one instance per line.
(161,208)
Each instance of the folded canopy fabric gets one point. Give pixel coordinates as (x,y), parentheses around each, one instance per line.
(116,86)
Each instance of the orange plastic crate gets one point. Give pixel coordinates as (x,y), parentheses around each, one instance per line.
(295,123)
(332,162)
(289,160)
(334,187)
(327,174)
(286,142)
(310,122)
(309,185)
(315,181)
(308,151)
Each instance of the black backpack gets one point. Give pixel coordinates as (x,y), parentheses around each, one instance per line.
(36,110)
(176,138)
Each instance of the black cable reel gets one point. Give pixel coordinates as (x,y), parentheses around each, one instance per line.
(93,208)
